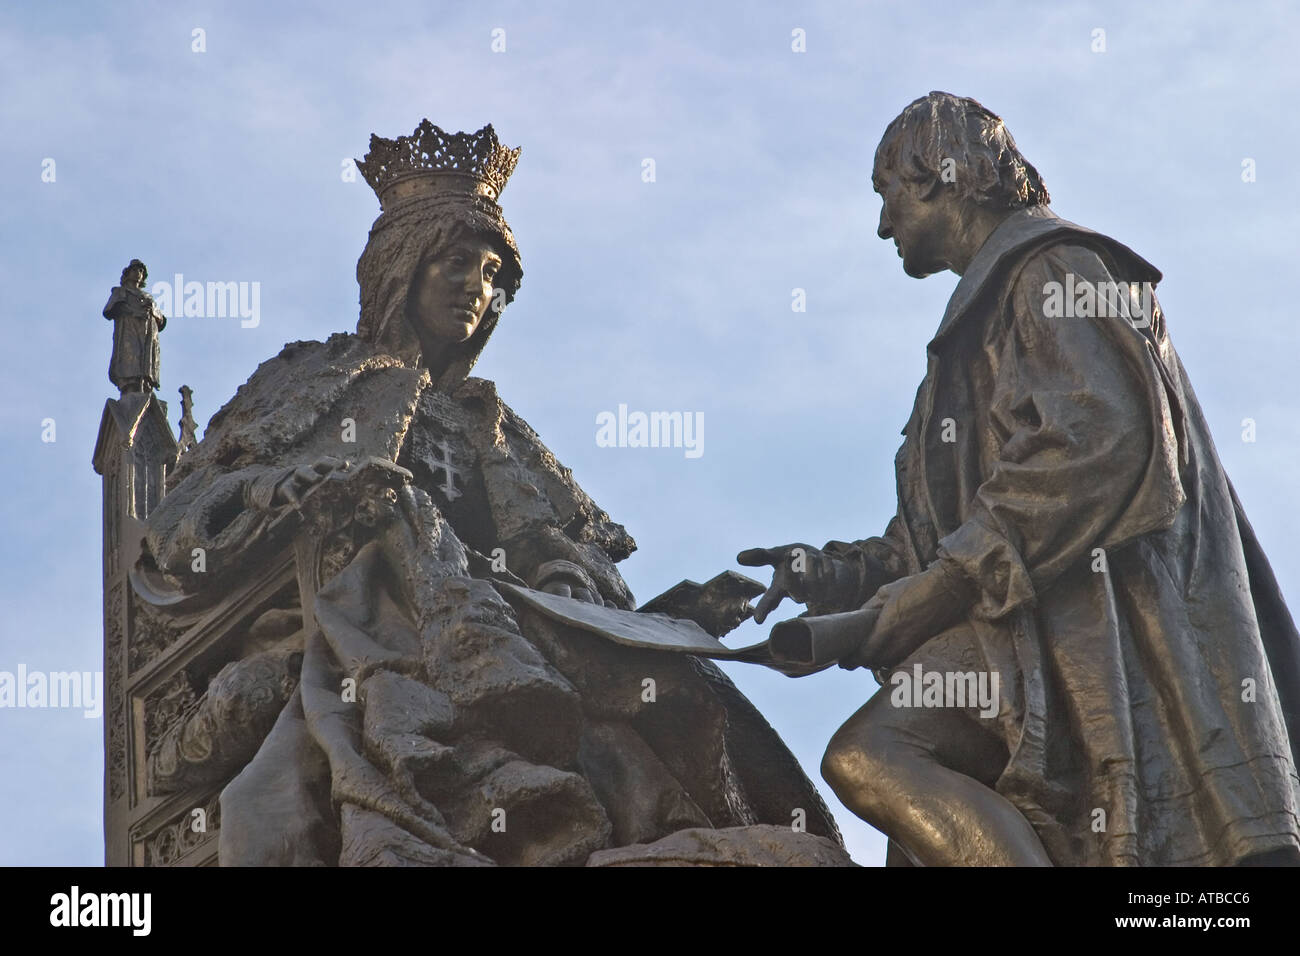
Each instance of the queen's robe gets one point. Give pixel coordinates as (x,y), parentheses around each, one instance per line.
(474,731)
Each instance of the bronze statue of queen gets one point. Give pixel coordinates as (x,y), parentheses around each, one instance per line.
(415,716)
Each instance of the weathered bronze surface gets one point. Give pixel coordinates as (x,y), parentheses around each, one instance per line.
(370,618)
(1063,524)
(136,324)
(326,639)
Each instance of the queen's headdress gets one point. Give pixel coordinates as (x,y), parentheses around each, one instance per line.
(429,183)
(432,164)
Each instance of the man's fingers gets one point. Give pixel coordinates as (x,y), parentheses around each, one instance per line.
(757,557)
(768,602)
(325,464)
(287,492)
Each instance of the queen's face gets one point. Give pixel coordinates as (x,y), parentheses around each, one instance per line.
(453,292)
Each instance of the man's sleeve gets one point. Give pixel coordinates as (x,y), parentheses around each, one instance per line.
(114,298)
(861,568)
(1088,451)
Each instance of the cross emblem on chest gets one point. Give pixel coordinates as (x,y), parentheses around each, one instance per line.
(439,460)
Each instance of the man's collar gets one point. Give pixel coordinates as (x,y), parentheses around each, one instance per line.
(1033,226)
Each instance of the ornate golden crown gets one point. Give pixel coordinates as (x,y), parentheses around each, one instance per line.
(430,162)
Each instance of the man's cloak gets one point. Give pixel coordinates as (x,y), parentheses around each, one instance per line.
(1150,671)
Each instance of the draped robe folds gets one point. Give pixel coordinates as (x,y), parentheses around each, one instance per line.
(1150,671)
(136,324)
(463,704)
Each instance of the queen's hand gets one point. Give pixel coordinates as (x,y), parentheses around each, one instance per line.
(291,489)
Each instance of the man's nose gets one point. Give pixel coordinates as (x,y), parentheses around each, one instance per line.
(884,231)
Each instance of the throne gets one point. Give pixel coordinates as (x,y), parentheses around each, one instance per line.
(194,685)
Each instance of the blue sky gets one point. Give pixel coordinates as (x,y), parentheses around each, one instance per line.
(672,295)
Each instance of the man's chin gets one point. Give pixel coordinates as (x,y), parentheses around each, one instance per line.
(917,271)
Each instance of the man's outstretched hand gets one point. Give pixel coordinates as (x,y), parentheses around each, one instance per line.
(801,573)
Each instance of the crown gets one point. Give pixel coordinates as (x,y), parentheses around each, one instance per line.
(431,162)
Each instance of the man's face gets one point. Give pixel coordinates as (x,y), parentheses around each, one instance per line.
(135,277)
(453,292)
(917,225)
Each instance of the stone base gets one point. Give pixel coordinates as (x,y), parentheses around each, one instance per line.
(763,845)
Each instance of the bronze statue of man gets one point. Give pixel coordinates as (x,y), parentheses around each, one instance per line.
(1063,523)
(136,324)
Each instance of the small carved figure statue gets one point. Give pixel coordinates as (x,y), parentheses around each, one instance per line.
(136,324)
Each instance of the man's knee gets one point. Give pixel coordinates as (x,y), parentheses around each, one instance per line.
(839,763)
(857,764)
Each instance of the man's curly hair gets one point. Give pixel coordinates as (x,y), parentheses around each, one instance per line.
(985,163)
